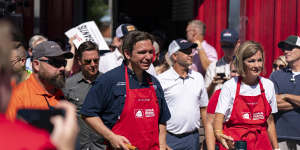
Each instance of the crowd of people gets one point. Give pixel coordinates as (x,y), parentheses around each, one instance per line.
(138,97)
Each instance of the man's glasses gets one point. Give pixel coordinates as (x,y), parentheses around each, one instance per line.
(287,47)
(89,61)
(231,46)
(275,66)
(57,63)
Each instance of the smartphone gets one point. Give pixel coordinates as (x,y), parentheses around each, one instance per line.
(221,75)
(40,117)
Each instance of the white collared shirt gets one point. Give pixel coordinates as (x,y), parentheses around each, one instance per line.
(184,98)
(114,59)
(110,61)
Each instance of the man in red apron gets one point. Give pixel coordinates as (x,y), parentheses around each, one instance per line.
(133,112)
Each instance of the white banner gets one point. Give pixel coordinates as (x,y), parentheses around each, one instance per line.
(87,31)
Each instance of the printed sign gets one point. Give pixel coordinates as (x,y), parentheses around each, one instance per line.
(87,31)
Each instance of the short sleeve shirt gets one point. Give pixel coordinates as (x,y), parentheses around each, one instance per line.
(106,98)
(227,95)
(184,96)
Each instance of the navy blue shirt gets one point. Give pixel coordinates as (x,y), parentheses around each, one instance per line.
(287,122)
(106,98)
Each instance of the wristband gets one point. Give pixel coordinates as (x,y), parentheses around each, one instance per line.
(219,131)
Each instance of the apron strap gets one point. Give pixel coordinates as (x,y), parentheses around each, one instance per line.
(238,86)
(261,86)
(126,78)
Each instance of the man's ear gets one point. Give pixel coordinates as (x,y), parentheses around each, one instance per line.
(79,61)
(36,65)
(127,54)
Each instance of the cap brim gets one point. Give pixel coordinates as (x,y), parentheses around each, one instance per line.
(286,45)
(65,54)
(189,45)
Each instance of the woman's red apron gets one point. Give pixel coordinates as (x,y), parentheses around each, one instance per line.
(139,119)
(248,120)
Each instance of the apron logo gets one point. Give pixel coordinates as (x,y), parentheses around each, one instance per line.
(149,113)
(258,115)
(144,100)
(246,115)
(138,113)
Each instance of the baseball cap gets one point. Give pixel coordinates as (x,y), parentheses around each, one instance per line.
(180,44)
(49,49)
(229,35)
(290,43)
(124,29)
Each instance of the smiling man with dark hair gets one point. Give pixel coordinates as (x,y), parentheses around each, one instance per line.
(126,105)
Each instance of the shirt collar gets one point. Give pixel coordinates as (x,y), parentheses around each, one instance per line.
(133,75)
(118,54)
(80,78)
(176,76)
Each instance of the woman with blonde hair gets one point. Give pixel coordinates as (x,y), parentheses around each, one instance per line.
(279,63)
(245,106)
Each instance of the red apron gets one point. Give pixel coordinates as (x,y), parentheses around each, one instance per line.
(248,120)
(139,119)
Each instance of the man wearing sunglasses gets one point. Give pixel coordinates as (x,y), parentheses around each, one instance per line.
(77,87)
(219,72)
(42,90)
(286,82)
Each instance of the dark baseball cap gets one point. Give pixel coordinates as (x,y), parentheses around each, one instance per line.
(49,49)
(290,43)
(229,35)
(180,44)
(124,29)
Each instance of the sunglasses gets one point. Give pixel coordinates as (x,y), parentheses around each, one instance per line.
(288,47)
(57,63)
(113,47)
(275,66)
(231,46)
(89,61)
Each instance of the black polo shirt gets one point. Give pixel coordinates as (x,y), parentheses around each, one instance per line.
(106,98)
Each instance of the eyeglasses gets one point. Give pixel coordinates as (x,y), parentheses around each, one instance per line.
(89,61)
(275,66)
(57,63)
(112,47)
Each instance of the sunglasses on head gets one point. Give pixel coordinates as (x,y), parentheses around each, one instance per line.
(57,63)
(89,61)
(280,66)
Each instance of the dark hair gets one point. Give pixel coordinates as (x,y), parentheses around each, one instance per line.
(86,46)
(133,37)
